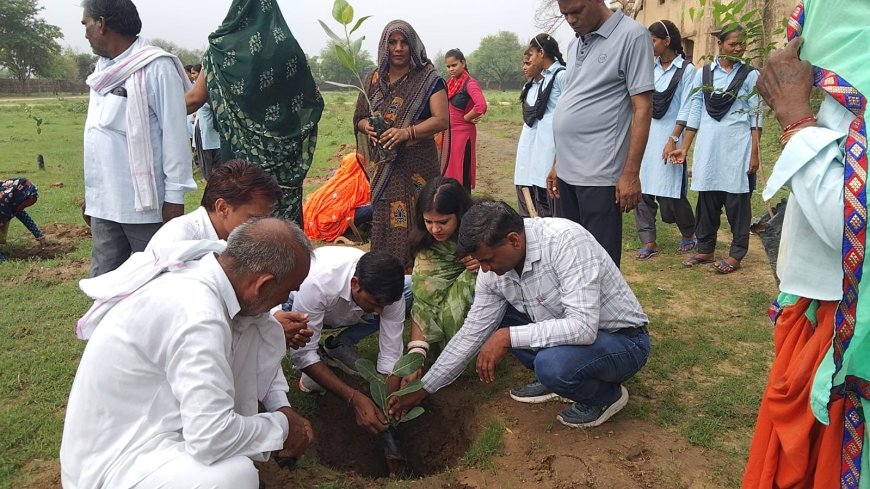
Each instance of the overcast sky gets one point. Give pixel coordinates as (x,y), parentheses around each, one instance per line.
(442,24)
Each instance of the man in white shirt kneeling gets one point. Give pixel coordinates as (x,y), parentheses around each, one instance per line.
(182,347)
(365,292)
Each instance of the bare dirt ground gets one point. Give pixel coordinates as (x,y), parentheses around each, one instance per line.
(538,451)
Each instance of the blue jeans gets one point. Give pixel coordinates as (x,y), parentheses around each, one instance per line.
(588,374)
(369,324)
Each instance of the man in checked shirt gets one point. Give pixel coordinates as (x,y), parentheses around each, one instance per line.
(549,293)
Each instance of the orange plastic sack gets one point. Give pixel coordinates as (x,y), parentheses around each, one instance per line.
(327,210)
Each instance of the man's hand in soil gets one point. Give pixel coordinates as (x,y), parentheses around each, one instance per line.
(368,414)
(492,352)
(398,406)
(295,325)
(300,435)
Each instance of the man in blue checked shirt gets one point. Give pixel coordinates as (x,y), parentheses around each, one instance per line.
(549,293)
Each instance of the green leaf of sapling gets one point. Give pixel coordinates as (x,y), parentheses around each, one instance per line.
(378,391)
(414,413)
(408,364)
(347,15)
(338,11)
(409,388)
(355,47)
(345,58)
(359,23)
(367,370)
(331,34)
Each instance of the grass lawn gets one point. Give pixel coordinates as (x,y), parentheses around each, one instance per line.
(700,390)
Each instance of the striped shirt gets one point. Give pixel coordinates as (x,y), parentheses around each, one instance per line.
(569,287)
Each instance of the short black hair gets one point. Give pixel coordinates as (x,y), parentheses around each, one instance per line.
(382,275)
(487,223)
(121,15)
(727,30)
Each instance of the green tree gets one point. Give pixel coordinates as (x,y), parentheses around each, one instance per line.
(330,67)
(84,63)
(438,61)
(497,59)
(187,56)
(28,44)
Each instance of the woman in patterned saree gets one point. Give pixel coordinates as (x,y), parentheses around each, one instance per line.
(406,90)
(811,431)
(265,102)
(442,283)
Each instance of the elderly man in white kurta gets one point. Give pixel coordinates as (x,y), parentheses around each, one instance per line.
(136,151)
(181,350)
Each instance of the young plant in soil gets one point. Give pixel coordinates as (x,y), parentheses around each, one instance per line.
(406,365)
(348,52)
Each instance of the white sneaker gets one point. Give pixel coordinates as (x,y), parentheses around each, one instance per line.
(307,384)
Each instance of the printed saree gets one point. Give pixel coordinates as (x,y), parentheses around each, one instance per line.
(398,175)
(443,291)
(264,97)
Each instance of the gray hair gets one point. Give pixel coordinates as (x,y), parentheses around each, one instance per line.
(267,245)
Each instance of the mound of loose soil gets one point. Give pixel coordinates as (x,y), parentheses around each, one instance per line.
(60,239)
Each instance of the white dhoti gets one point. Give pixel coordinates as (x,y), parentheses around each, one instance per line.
(185,472)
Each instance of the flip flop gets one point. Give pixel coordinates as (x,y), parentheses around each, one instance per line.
(724,268)
(687,246)
(645,254)
(696,260)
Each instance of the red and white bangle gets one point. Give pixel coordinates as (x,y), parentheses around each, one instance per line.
(793,128)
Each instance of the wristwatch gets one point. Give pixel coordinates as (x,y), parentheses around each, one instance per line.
(674,138)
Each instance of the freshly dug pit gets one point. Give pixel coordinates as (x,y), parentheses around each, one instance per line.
(432,442)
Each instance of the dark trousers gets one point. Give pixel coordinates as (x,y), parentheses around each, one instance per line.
(544,205)
(677,211)
(738,211)
(595,209)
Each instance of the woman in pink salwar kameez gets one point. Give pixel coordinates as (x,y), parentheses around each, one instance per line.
(467,105)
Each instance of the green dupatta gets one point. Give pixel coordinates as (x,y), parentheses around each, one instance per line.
(443,291)
(264,97)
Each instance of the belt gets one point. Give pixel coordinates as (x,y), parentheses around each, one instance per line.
(631,332)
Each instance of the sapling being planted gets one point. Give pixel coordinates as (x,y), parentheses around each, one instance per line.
(406,365)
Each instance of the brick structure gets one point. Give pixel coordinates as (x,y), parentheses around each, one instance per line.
(698,40)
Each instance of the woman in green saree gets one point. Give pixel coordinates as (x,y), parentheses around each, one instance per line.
(265,101)
(442,283)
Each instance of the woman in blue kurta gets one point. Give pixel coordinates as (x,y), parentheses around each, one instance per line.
(724,113)
(664,184)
